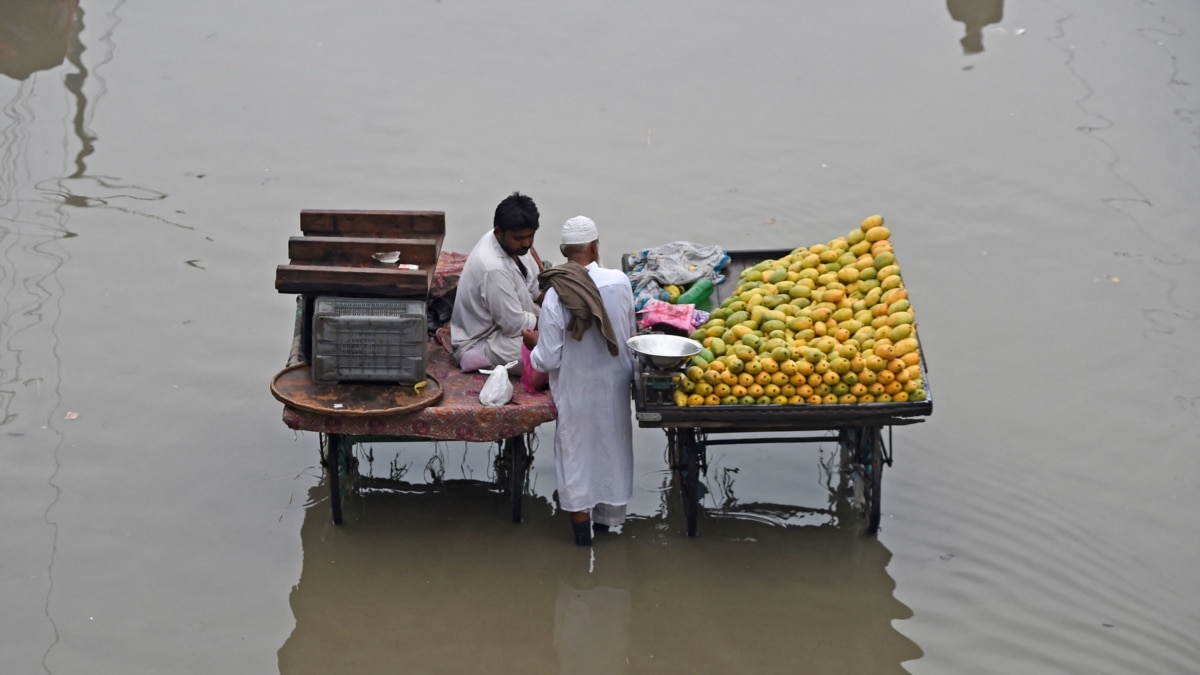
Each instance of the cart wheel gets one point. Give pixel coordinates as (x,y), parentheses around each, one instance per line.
(331,453)
(690,450)
(519,461)
(872,442)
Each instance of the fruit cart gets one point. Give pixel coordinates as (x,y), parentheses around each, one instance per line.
(692,429)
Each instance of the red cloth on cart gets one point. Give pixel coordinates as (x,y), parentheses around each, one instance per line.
(446,273)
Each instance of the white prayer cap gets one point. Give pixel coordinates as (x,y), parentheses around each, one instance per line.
(579,230)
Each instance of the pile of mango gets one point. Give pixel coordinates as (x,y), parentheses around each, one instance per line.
(825,324)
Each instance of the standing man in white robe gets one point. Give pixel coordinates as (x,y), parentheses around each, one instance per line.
(587,316)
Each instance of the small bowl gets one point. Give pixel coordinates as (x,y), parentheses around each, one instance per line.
(664,351)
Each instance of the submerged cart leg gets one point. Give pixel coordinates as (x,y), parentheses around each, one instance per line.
(864,448)
(690,456)
(331,452)
(519,462)
(872,439)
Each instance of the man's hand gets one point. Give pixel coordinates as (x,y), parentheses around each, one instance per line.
(530,337)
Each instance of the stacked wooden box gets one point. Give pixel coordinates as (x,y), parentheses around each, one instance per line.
(335,257)
(335,254)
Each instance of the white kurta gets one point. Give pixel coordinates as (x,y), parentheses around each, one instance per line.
(593,437)
(494,301)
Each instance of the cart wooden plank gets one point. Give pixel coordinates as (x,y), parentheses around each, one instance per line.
(325,279)
(359,251)
(378,224)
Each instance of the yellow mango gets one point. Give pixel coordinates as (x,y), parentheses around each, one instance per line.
(878,233)
(871,222)
(905,346)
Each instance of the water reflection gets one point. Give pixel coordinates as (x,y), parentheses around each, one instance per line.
(822,495)
(34,35)
(38,36)
(439,580)
(75,83)
(80,188)
(975,14)
(593,615)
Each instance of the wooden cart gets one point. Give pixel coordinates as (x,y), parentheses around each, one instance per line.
(337,255)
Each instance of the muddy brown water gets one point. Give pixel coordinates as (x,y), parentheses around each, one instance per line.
(1036,162)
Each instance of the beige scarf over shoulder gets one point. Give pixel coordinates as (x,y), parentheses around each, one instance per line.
(581,299)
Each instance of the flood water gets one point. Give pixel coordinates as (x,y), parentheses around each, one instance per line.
(1037,163)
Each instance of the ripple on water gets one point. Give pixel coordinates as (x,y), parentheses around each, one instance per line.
(1041,585)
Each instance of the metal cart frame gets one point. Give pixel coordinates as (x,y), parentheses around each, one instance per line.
(337,457)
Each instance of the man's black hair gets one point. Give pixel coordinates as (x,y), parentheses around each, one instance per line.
(515,213)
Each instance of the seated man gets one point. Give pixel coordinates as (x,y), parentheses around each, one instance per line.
(495,297)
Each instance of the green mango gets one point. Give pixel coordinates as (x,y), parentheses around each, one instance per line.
(717,346)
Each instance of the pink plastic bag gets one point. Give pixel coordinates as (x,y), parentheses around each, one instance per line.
(532,380)
(676,316)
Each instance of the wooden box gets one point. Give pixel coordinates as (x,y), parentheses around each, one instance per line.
(335,253)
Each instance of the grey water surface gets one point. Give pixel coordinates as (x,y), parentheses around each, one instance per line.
(1037,163)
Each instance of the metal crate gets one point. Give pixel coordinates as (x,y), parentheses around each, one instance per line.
(368,340)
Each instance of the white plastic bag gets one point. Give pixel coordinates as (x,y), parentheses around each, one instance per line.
(498,389)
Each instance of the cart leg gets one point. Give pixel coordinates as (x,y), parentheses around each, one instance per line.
(690,452)
(863,457)
(518,462)
(873,465)
(850,445)
(331,452)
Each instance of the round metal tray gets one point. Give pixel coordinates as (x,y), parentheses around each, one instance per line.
(294,386)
